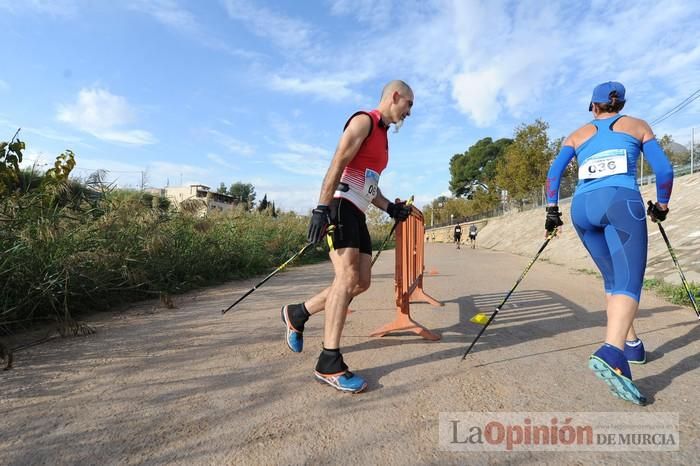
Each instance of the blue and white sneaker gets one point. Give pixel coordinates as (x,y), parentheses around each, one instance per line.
(293,337)
(611,366)
(344,381)
(634,352)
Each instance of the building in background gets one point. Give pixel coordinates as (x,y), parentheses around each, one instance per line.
(198,194)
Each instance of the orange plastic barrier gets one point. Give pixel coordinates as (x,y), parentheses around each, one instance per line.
(408,280)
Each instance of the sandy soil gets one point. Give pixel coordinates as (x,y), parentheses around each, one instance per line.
(190,386)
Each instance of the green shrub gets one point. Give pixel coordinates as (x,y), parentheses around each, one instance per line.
(69,249)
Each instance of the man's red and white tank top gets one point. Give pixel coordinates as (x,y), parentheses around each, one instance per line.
(360,179)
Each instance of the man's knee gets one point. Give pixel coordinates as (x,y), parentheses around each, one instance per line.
(348,279)
(363,284)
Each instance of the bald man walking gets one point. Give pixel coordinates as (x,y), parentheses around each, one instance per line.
(351,184)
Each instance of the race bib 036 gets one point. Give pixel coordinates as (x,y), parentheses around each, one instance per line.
(605,163)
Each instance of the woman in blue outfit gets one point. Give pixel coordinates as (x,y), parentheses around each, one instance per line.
(608,213)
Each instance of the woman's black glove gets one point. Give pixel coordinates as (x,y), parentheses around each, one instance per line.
(553,219)
(655,213)
(399,211)
(320,218)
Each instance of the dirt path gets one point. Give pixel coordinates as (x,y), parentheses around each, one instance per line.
(190,386)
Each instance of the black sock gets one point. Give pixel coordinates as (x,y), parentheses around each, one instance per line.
(330,362)
(298,315)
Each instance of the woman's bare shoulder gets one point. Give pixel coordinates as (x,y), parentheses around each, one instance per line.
(580,135)
(637,127)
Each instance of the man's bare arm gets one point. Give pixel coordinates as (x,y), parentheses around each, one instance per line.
(380,201)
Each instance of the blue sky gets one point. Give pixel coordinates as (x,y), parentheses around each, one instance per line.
(258,91)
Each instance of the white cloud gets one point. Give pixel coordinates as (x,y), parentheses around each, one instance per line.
(369,12)
(282,31)
(476,94)
(309,149)
(50,133)
(300,164)
(232,144)
(37,158)
(510,60)
(59,8)
(297,197)
(495,59)
(171,14)
(96,109)
(100,113)
(332,89)
(219,160)
(299,158)
(115,173)
(161,173)
(167,12)
(135,136)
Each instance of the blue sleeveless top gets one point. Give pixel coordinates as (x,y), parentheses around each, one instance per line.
(608,158)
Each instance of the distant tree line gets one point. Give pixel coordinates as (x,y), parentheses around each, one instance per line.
(244,194)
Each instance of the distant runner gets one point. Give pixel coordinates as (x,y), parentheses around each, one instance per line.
(607,211)
(458,235)
(472,235)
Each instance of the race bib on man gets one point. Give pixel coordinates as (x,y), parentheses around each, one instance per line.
(371,184)
(605,163)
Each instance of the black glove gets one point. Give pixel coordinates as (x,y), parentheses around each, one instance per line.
(553,219)
(399,211)
(320,218)
(655,213)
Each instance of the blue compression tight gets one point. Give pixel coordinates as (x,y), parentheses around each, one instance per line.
(611,222)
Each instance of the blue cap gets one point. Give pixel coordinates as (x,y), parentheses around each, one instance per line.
(603,92)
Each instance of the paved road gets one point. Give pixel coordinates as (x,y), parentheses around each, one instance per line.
(190,386)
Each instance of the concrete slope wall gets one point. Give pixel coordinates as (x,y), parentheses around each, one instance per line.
(523,233)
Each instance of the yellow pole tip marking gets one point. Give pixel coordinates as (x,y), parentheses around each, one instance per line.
(480,319)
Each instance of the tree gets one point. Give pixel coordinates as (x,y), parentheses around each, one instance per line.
(444,209)
(677,153)
(484,201)
(263,204)
(274,212)
(10,158)
(243,193)
(375,216)
(476,165)
(222,189)
(523,168)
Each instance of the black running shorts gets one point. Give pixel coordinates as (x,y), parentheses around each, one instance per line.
(350,227)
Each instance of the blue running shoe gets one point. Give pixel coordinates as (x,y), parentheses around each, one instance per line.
(634,352)
(293,337)
(344,381)
(611,366)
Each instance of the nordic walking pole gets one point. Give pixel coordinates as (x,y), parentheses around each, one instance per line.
(534,259)
(391,232)
(678,267)
(300,253)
